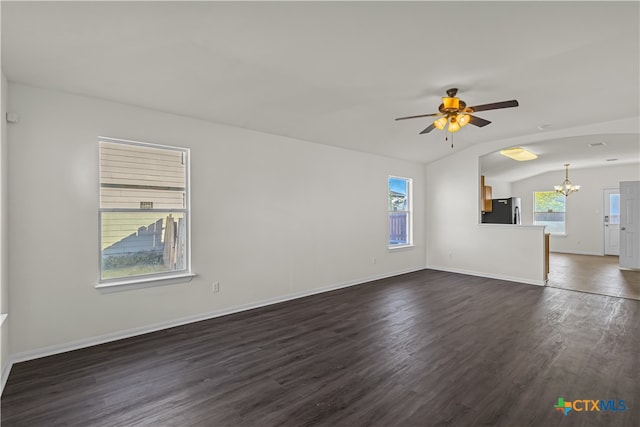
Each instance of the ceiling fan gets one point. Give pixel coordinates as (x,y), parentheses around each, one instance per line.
(455,112)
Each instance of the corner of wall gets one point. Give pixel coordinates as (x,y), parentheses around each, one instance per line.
(5,365)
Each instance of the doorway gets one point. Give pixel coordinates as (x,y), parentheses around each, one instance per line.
(611,221)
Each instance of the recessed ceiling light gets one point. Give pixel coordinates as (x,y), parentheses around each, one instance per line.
(518,153)
(597,144)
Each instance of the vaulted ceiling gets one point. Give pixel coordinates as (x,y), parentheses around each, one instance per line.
(338,73)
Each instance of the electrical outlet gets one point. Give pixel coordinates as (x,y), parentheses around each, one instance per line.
(215,287)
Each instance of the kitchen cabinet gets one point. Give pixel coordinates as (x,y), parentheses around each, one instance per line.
(485,196)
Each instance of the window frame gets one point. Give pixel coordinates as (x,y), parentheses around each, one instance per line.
(409,213)
(148,279)
(564,223)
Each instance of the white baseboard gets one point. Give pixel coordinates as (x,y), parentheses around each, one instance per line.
(578,252)
(6,370)
(88,342)
(489,276)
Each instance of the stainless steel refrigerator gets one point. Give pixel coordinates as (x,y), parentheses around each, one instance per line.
(503,211)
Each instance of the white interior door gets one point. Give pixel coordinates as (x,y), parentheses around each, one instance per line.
(629,224)
(611,221)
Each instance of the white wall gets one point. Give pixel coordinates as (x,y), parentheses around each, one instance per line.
(584,217)
(499,189)
(457,242)
(4,253)
(272,217)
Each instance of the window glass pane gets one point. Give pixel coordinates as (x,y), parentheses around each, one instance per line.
(549,201)
(614,208)
(398,228)
(137,243)
(398,194)
(134,177)
(553,220)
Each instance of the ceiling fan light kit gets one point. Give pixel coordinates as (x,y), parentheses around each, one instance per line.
(455,112)
(463,119)
(454,126)
(440,123)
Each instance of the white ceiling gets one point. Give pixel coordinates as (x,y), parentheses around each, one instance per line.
(338,73)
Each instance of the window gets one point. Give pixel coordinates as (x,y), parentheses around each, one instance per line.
(614,208)
(144,211)
(549,210)
(399,212)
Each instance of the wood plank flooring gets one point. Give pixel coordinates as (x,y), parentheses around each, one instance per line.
(428,348)
(595,274)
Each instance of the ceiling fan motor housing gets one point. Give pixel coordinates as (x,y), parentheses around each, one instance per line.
(451,106)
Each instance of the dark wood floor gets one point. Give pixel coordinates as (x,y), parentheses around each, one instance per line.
(423,349)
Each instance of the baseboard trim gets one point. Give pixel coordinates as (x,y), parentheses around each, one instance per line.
(578,253)
(6,370)
(489,276)
(115,336)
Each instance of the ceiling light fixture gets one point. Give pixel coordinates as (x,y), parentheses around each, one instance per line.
(567,187)
(441,123)
(463,119)
(518,153)
(455,122)
(454,126)
(454,114)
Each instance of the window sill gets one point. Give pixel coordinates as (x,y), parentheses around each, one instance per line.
(147,282)
(398,247)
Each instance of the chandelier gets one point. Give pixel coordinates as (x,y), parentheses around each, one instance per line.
(567,187)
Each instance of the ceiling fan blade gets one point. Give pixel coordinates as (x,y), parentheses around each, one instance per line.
(477,121)
(429,129)
(421,115)
(493,106)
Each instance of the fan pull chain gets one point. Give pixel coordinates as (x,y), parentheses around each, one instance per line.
(446,138)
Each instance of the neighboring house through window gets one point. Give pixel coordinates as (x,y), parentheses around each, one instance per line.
(549,210)
(144,211)
(400,219)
